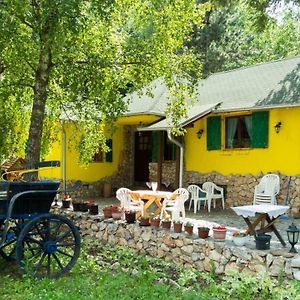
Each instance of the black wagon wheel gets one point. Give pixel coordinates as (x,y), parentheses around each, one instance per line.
(8,248)
(48,246)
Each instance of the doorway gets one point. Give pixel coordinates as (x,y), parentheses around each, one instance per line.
(143,155)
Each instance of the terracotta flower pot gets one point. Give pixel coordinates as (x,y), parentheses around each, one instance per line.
(188,230)
(155,223)
(66,203)
(166,225)
(76,206)
(130,217)
(117,215)
(219,234)
(84,206)
(177,227)
(107,212)
(144,222)
(203,232)
(94,209)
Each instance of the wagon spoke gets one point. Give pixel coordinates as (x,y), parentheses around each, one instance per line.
(64,236)
(35,255)
(67,244)
(48,264)
(39,232)
(58,261)
(39,265)
(31,239)
(64,253)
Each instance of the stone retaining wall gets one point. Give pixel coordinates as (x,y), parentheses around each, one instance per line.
(189,251)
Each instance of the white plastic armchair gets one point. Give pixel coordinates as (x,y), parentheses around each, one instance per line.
(127,202)
(198,196)
(214,192)
(175,204)
(267,189)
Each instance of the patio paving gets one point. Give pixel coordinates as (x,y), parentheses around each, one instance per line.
(226,218)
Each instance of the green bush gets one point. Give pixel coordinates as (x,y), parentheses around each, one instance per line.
(105,272)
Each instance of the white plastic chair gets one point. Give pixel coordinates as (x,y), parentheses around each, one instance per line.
(196,197)
(126,201)
(211,190)
(175,204)
(267,189)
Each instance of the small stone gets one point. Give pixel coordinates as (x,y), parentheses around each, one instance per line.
(295,263)
(297,275)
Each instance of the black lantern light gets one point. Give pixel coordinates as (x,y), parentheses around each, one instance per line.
(199,133)
(277,127)
(293,236)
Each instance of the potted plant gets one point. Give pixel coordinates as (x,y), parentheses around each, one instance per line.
(188,228)
(239,238)
(76,204)
(84,206)
(117,213)
(203,232)
(93,207)
(177,226)
(144,221)
(66,201)
(219,233)
(107,211)
(155,221)
(130,216)
(166,223)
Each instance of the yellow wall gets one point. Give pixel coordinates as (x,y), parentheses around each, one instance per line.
(94,171)
(282,154)
(97,170)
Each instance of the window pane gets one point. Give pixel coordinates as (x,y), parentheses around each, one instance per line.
(238,132)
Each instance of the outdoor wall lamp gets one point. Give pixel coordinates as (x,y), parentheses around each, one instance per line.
(293,236)
(277,127)
(199,133)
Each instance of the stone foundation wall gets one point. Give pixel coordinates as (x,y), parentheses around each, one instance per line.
(239,189)
(189,251)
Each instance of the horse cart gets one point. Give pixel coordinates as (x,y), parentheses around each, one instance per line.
(43,244)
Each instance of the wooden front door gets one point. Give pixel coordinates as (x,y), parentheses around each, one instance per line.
(142,155)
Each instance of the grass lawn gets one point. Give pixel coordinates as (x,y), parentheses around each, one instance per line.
(103,272)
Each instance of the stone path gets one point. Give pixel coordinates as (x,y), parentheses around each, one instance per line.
(226,218)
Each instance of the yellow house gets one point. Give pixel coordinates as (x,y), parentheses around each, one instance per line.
(244,124)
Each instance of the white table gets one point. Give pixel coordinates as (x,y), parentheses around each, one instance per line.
(265,212)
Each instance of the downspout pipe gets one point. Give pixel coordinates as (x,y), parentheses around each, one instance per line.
(181,156)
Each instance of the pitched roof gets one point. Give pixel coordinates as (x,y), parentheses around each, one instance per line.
(270,84)
(259,86)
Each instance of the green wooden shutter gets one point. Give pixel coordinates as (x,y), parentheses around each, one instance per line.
(154,145)
(109,155)
(213,133)
(260,129)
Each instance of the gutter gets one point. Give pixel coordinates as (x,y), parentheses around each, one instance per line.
(181,156)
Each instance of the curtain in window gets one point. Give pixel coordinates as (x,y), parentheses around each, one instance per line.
(248,122)
(231,130)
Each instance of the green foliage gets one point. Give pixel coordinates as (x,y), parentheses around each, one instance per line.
(90,52)
(229,40)
(106,272)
